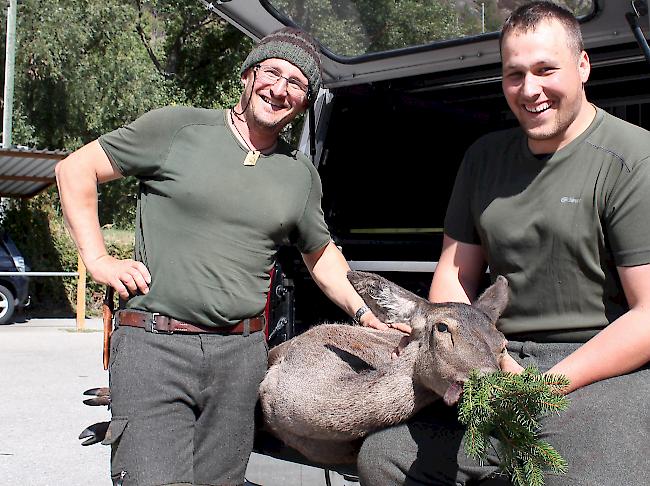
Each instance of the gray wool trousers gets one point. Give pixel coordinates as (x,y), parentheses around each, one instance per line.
(604,435)
(183,406)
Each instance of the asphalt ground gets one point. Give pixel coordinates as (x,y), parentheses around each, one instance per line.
(45,366)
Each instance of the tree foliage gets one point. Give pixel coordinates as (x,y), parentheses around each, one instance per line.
(357,27)
(84,67)
(362,26)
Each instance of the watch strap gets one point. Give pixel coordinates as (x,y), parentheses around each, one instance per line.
(361,311)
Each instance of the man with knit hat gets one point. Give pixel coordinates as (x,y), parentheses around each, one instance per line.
(188,351)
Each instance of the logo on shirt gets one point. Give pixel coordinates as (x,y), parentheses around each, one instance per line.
(570,200)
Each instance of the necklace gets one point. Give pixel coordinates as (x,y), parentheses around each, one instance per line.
(252,155)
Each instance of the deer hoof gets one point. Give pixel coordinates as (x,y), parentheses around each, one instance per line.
(102,396)
(94,433)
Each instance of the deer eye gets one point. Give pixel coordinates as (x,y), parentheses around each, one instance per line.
(442,327)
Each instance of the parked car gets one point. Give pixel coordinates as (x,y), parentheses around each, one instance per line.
(14,289)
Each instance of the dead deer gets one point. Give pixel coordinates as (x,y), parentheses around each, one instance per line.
(331,386)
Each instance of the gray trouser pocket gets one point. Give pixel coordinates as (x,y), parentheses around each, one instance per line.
(115,430)
(113,436)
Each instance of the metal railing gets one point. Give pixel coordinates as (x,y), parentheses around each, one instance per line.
(81,287)
(40,274)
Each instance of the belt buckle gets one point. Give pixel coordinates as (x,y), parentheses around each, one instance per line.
(153,325)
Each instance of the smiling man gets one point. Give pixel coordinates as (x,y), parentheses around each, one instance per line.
(544,71)
(219,192)
(560,207)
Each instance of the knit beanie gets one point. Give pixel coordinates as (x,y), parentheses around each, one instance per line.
(294,46)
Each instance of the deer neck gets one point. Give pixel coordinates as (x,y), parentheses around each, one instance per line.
(392,394)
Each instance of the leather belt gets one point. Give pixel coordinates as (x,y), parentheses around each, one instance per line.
(157,323)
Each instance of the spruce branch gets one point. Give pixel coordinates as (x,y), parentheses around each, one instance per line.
(509,407)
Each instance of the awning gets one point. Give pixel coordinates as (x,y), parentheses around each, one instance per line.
(25,172)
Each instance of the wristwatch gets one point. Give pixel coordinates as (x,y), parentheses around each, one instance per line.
(356,318)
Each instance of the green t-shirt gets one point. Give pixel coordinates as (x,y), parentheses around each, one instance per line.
(208,226)
(558,227)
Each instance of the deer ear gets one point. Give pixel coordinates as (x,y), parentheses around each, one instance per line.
(494,300)
(388,301)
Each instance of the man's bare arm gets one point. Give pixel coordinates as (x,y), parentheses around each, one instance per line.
(458,273)
(329,269)
(621,347)
(77,177)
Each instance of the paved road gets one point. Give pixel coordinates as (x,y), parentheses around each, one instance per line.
(45,365)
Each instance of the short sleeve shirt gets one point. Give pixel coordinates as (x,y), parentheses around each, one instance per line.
(208,226)
(558,227)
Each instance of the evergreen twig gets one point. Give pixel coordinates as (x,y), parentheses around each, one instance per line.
(509,407)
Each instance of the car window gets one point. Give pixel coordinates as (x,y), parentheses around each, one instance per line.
(356,28)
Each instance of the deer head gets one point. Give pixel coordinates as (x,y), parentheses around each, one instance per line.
(452,338)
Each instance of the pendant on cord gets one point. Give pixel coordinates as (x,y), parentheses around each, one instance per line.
(251,157)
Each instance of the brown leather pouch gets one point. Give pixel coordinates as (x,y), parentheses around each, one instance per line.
(107,313)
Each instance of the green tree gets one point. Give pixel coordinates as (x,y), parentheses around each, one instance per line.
(80,70)
(194,48)
(358,27)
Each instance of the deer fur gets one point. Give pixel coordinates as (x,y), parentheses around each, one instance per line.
(331,386)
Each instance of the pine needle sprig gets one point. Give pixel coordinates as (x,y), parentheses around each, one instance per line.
(509,407)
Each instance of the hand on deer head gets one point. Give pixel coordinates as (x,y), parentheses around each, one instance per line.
(455,337)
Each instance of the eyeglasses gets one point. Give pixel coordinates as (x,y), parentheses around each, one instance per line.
(271,75)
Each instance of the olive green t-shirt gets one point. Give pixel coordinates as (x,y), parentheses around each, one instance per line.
(208,226)
(557,227)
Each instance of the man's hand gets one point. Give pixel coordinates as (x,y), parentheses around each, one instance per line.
(127,277)
(370,320)
(400,326)
(508,364)
(406,329)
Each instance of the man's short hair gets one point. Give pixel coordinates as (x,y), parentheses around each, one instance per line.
(529,16)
